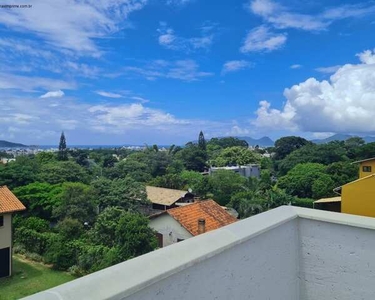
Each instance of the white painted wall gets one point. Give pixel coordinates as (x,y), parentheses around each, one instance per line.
(284,254)
(6,235)
(6,232)
(337,261)
(264,267)
(169,228)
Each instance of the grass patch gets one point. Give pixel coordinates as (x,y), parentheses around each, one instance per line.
(29,278)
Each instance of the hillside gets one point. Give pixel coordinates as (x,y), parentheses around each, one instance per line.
(262,142)
(6,144)
(342,137)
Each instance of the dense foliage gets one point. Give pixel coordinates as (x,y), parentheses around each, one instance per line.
(85,207)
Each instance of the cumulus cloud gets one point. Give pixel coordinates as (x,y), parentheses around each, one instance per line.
(235,65)
(53,94)
(345,103)
(328,70)
(283,17)
(263,39)
(170,40)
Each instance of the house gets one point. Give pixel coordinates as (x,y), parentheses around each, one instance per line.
(356,197)
(181,223)
(9,204)
(163,199)
(246,171)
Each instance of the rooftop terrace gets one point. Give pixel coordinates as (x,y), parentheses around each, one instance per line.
(287,253)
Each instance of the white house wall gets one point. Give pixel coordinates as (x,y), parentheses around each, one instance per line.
(6,232)
(337,261)
(170,229)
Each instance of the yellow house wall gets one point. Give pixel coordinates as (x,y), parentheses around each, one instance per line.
(358,198)
(370,163)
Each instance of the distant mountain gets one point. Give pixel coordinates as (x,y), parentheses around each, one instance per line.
(262,142)
(342,137)
(6,144)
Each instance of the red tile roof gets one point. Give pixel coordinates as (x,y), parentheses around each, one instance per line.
(9,202)
(214,215)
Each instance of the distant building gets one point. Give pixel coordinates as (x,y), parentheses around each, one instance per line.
(252,170)
(163,199)
(357,197)
(9,204)
(180,223)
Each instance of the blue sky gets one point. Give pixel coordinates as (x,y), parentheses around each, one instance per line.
(147,71)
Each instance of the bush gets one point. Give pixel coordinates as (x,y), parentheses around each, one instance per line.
(32,240)
(34,256)
(303,202)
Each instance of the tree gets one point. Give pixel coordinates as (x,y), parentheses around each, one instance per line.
(202,142)
(21,172)
(104,230)
(63,171)
(286,145)
(133,236)
(236,156)
(70,229)
(63,152)
(39,198)
(192,157)
(77,201)
(226,142)
(125,193)
(224,184)
(301,179)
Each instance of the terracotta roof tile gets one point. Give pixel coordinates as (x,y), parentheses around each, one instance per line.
(214,215)
(9,202)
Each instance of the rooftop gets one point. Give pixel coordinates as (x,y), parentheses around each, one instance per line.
(214,215)
(164,196)
(9,202)
(328,200)
(287,253)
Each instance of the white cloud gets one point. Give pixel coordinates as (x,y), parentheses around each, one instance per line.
(53,94)
(262,39)
(71,25)
(235,65)
(345,103)
(328,70)
(296,66)
(28,83)
(282,17)
(186,70)
(108,94)
(178,2)
(170,40)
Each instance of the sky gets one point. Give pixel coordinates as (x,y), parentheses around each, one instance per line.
(159,71)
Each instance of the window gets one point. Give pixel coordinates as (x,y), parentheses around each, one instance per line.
(366,168)
(1,221)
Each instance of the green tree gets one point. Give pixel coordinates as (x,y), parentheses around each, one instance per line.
(39,198)
(300,181)
(63,171)
(236,156)
(192,157)
(70,229)
(202,142)
(286,145)
(77,201)
(63,151)
(225,184)
(133,236)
